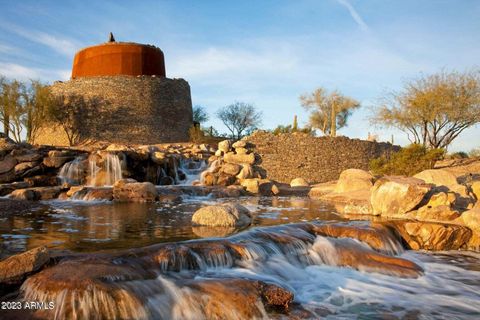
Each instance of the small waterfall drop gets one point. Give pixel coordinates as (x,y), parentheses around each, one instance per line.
(192,170)
(73,172)
(212,168)
(108,173)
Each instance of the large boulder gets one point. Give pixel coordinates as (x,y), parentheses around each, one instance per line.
(14,269)
(353,180)
(432,236)
(129,190)
(227,215)
(246,172)
(394,196)
(231,157)
(299,182)
(438,177)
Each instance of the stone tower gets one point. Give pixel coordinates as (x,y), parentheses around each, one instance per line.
(139,104)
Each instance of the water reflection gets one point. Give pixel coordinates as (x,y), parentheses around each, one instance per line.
(87,226)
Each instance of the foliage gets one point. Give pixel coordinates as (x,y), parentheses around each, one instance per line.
(330,111)
(71,112)
(200,115)
(433,110)
(196,134)
(240,118)
(22,106)
(457,155)
(475,152)
(290,129)
(408,161)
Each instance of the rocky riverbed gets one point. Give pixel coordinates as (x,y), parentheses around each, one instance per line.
(197,231)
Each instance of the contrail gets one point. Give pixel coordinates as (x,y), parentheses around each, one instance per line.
(354,14)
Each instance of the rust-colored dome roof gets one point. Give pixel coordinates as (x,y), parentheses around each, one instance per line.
(119,58)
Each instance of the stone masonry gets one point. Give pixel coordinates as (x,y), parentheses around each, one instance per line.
(316,159)
(134,110)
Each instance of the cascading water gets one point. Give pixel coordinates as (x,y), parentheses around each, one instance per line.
(73,172)
(192,170)
(108,173)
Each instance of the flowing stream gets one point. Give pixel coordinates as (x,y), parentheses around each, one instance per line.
(148,261)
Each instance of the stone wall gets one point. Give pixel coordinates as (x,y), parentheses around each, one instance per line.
(133,110)
(317,159)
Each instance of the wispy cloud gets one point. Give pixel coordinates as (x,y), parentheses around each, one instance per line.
(59,44)
(355,15)
(21,72)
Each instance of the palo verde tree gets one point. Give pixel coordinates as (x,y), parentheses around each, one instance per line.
(12,107)
(38,98)
(433,110)
(240,118)
(329,110)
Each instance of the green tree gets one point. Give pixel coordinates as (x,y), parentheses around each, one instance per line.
(329,110)
(38,98)
(433,110)
(240,118)
(408,161)
(200,115)
(12,107)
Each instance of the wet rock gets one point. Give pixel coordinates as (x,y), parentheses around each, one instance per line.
(432,236)
(395,196)
(14,269)
(231,157)
(376,235)
(471,219)
(132,191)
(23,194)
(7,164)
(437,177)
(299,182)
(91,281)
(213,232)
(241,298)
(227,215)
(42,181)
(7,188)
(225,146)
(233,191)
(47,193)
(91,193)
(352,255)
(353,180)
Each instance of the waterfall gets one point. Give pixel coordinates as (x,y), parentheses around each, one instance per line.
(72,172)
(108,173)
(192,170)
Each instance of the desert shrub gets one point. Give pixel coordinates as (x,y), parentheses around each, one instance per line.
(457,155)
(408,161)
(196,134)
(475,152)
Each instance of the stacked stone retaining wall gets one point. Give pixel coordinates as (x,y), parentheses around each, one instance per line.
(317,159)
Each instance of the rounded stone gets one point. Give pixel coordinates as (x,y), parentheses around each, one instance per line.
(227,215)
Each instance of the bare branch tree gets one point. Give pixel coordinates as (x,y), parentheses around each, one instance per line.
(433,110)
(240,118)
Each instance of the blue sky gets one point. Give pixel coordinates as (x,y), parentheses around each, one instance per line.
(263,52)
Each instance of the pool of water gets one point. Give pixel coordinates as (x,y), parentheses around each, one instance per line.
(95,226)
